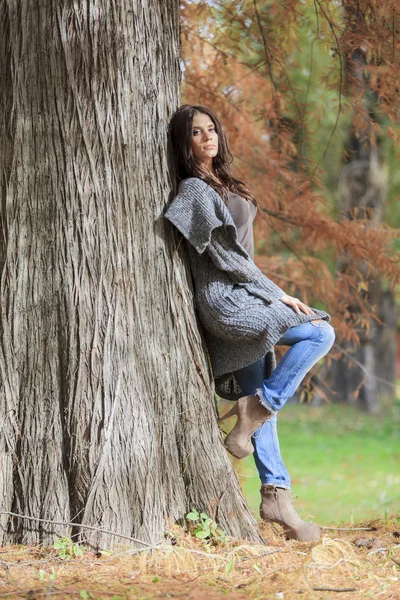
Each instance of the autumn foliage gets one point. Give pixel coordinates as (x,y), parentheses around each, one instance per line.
(280,77)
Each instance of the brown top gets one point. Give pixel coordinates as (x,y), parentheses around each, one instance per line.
(243,214)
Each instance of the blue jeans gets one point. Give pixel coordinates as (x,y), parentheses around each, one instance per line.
(309,342)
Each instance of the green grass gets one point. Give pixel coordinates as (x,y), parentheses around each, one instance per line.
(345,465)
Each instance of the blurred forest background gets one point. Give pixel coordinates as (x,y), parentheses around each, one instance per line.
(307,94)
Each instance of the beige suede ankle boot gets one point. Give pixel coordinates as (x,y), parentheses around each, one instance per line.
(276,506)
(251,415)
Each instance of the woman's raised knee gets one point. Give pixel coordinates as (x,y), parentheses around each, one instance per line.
(326,330)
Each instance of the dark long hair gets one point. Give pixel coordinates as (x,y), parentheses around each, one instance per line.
(183,163)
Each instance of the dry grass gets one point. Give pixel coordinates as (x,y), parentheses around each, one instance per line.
(366,563)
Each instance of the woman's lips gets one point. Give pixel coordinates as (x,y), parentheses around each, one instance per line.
(208,147)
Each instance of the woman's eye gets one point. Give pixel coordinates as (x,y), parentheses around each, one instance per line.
(196,131)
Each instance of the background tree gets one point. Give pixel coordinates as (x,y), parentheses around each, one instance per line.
(366,372)
(107,412)
(275,73)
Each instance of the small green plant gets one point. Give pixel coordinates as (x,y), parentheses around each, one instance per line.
(229,566)
(386,517)
(67,549)
(205,528)
(42,576)
(85,595)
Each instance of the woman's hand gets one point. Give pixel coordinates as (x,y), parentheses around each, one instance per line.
(296,304)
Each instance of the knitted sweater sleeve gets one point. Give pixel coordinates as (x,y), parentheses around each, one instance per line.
(195,216)
(202,218)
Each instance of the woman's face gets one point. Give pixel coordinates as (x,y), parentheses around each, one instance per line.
(204,139)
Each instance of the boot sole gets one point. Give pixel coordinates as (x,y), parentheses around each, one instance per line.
(287,534)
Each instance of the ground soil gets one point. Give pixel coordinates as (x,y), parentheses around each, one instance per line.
(344,564)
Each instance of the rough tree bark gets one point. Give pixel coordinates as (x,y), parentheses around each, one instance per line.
(107,410)
(365,375)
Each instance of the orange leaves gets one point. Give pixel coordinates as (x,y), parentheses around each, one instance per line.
(289,89)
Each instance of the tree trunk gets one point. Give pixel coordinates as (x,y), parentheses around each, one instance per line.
(365,374)
(107,410)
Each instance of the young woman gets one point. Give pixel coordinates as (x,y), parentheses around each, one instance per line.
(243,313)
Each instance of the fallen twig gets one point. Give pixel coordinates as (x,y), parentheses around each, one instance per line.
(32,593)
(378,550)
(350,528)
(327,589)
(383,549)
(259,555)
(90,527)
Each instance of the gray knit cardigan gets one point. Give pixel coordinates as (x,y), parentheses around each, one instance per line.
(237,304)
